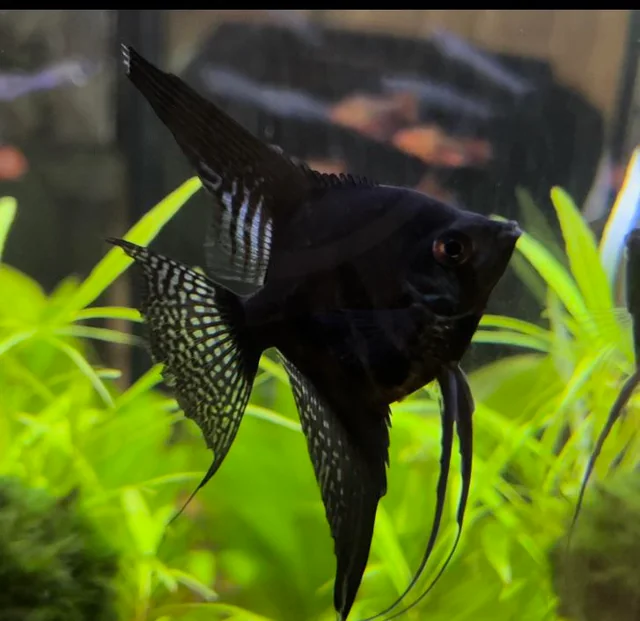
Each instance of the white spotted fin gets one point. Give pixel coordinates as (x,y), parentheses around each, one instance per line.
(351,478)
(195,332)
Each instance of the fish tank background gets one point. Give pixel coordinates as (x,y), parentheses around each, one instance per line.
(486,109)
(435,113)
(421,101)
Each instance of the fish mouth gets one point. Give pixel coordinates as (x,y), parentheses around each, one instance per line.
(509,232)
(505,238)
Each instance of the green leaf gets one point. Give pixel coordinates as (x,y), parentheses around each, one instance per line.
(202,565)
(149,484)
(563,350)
(496,544)
(229,612)
(512,436)
(8,207)
(556,277)
(506,379)
(274,369)
(165,576)
(530,277)
(87,370)
(583,373)
(139,519)
(109,312)
(15,339)
(22,299)
(387,547)
(100,334)
(517,325)
(27,377)
(144,231)
(105,373)
(195,585)
(584,260)
(507,337)
(537,225)
(144,384)
(273,417)
(61,295)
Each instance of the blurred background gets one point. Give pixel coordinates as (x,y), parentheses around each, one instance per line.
(470,106)
(486,109)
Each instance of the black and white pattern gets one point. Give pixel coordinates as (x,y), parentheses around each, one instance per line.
(238,243)
(227,159)
(192,334)
(350,490)
(254,184)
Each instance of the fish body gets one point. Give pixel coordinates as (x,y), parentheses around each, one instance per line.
(368,292)
(375,290)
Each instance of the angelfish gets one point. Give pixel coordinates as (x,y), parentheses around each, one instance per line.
(368,292)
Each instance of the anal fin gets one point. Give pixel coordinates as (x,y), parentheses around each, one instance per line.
(351,483)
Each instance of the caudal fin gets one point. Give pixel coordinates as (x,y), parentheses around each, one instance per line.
(195,330)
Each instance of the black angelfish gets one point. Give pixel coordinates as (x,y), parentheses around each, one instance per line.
(368,292)
(632,287)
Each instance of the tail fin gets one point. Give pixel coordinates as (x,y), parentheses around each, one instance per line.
(196,331)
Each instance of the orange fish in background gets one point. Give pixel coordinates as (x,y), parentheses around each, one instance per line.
(376,116)
(430,144)
(13,163)
(435,147)
(395,119)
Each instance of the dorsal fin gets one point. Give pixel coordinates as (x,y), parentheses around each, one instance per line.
(255,185)
(325,179)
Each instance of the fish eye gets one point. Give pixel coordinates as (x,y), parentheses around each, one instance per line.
(452,248)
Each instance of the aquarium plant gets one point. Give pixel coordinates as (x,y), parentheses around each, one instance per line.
(254,544)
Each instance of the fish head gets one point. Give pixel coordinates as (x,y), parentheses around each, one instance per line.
(461,261)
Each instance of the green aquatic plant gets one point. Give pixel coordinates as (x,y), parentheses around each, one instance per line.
(54,566)
(598,580)
(65,427)
(254,544)
(588,353)
(585,356)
